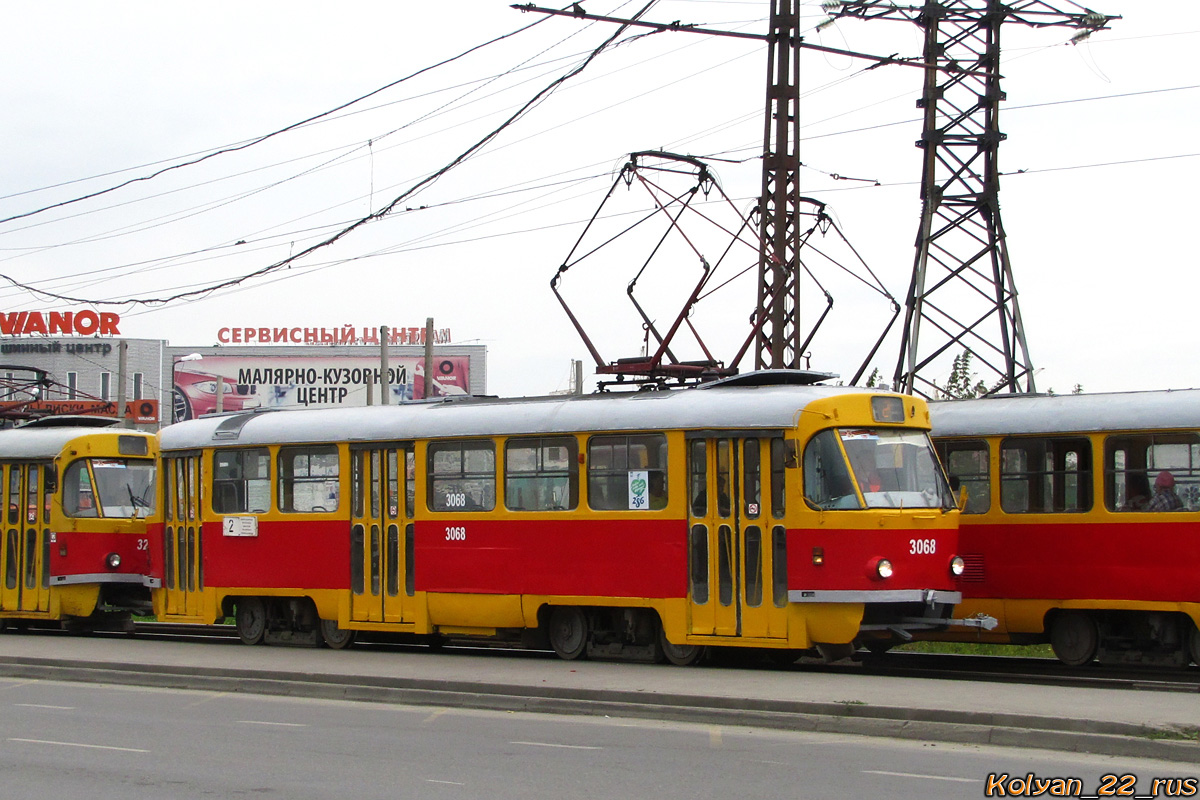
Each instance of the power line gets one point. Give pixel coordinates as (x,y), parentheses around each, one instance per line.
(265,137)
(380,214)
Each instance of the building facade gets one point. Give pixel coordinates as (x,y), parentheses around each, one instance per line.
(43,374)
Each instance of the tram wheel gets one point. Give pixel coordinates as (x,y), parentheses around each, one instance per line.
(251,620)
(681,655)
(568,632)
(1074,638)
(334,637)
(1194,644)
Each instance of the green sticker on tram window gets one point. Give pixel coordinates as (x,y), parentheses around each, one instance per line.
(639,481)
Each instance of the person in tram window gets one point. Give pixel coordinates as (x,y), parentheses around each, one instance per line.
(1137,492)
(1164,498)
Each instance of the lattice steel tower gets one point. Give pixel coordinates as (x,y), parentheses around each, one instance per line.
(962,296)
(777,322)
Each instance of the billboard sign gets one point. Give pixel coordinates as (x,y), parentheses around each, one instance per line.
(248,382)
(143,412)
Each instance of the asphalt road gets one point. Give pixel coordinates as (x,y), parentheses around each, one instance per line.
(102,742)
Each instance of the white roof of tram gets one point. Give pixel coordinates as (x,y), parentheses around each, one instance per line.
(1069,413)
(36,442)
(709,406)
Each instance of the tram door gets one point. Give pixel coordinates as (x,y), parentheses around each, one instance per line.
(25,561)
(735,535)
(183,573)
(381,535)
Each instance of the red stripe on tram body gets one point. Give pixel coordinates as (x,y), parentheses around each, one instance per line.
(920,559)
(1153,561)
(304,554)
(603,558)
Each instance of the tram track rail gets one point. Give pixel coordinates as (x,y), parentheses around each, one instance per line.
(1040,671)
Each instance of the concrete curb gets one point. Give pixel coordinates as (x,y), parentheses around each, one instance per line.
(970,727)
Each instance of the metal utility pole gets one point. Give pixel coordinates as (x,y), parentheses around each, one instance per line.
(962,296)
(777,342)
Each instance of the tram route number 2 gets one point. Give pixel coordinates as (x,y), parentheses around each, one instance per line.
(456,533)
(922,547)
(239,526)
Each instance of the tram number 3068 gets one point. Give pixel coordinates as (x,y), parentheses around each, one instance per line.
(456,534)
(922,547)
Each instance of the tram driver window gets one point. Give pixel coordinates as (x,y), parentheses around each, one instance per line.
(827,481)
(541,474)
(1133,461)
(308,479)
(462,476)
(241,481)
(1045,475)
(627,472)
(79,500)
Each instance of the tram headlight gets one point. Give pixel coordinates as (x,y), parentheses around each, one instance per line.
(113,560)
(957,566)
(879,569)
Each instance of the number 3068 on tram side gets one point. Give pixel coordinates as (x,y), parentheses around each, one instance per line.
(657,524)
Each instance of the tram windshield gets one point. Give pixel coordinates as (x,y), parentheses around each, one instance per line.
(109,487)
(855,468)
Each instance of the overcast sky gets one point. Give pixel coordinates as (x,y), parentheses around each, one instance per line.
(1099,220)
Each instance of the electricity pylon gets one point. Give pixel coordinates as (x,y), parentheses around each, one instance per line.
(962,296)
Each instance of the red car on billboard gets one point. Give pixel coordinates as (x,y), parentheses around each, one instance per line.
(195,395)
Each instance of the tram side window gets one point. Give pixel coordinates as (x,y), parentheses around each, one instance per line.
(1132,463)
(1045,475)
(627,472)
(462,476)
(827,481)
(967,464)
(541,474)
(308,478)
(241,481)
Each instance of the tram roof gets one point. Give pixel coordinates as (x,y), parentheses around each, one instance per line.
(730,407)
(1071,413)
(39,442)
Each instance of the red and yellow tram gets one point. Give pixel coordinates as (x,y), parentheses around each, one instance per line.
(659,523)
(76,499)
(1061,531)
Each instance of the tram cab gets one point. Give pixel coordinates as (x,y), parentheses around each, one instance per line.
(77,495)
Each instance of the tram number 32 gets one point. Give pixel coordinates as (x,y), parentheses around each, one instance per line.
(922,547)
(456,534)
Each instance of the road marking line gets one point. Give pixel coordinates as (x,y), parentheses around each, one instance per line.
(433,717)
(563,746)
(714,739)
(449,783)
(926,777)
(39,705)
(278,724)
(207,699)
(77,744)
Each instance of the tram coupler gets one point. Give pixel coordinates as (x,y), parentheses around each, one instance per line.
(981,621)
